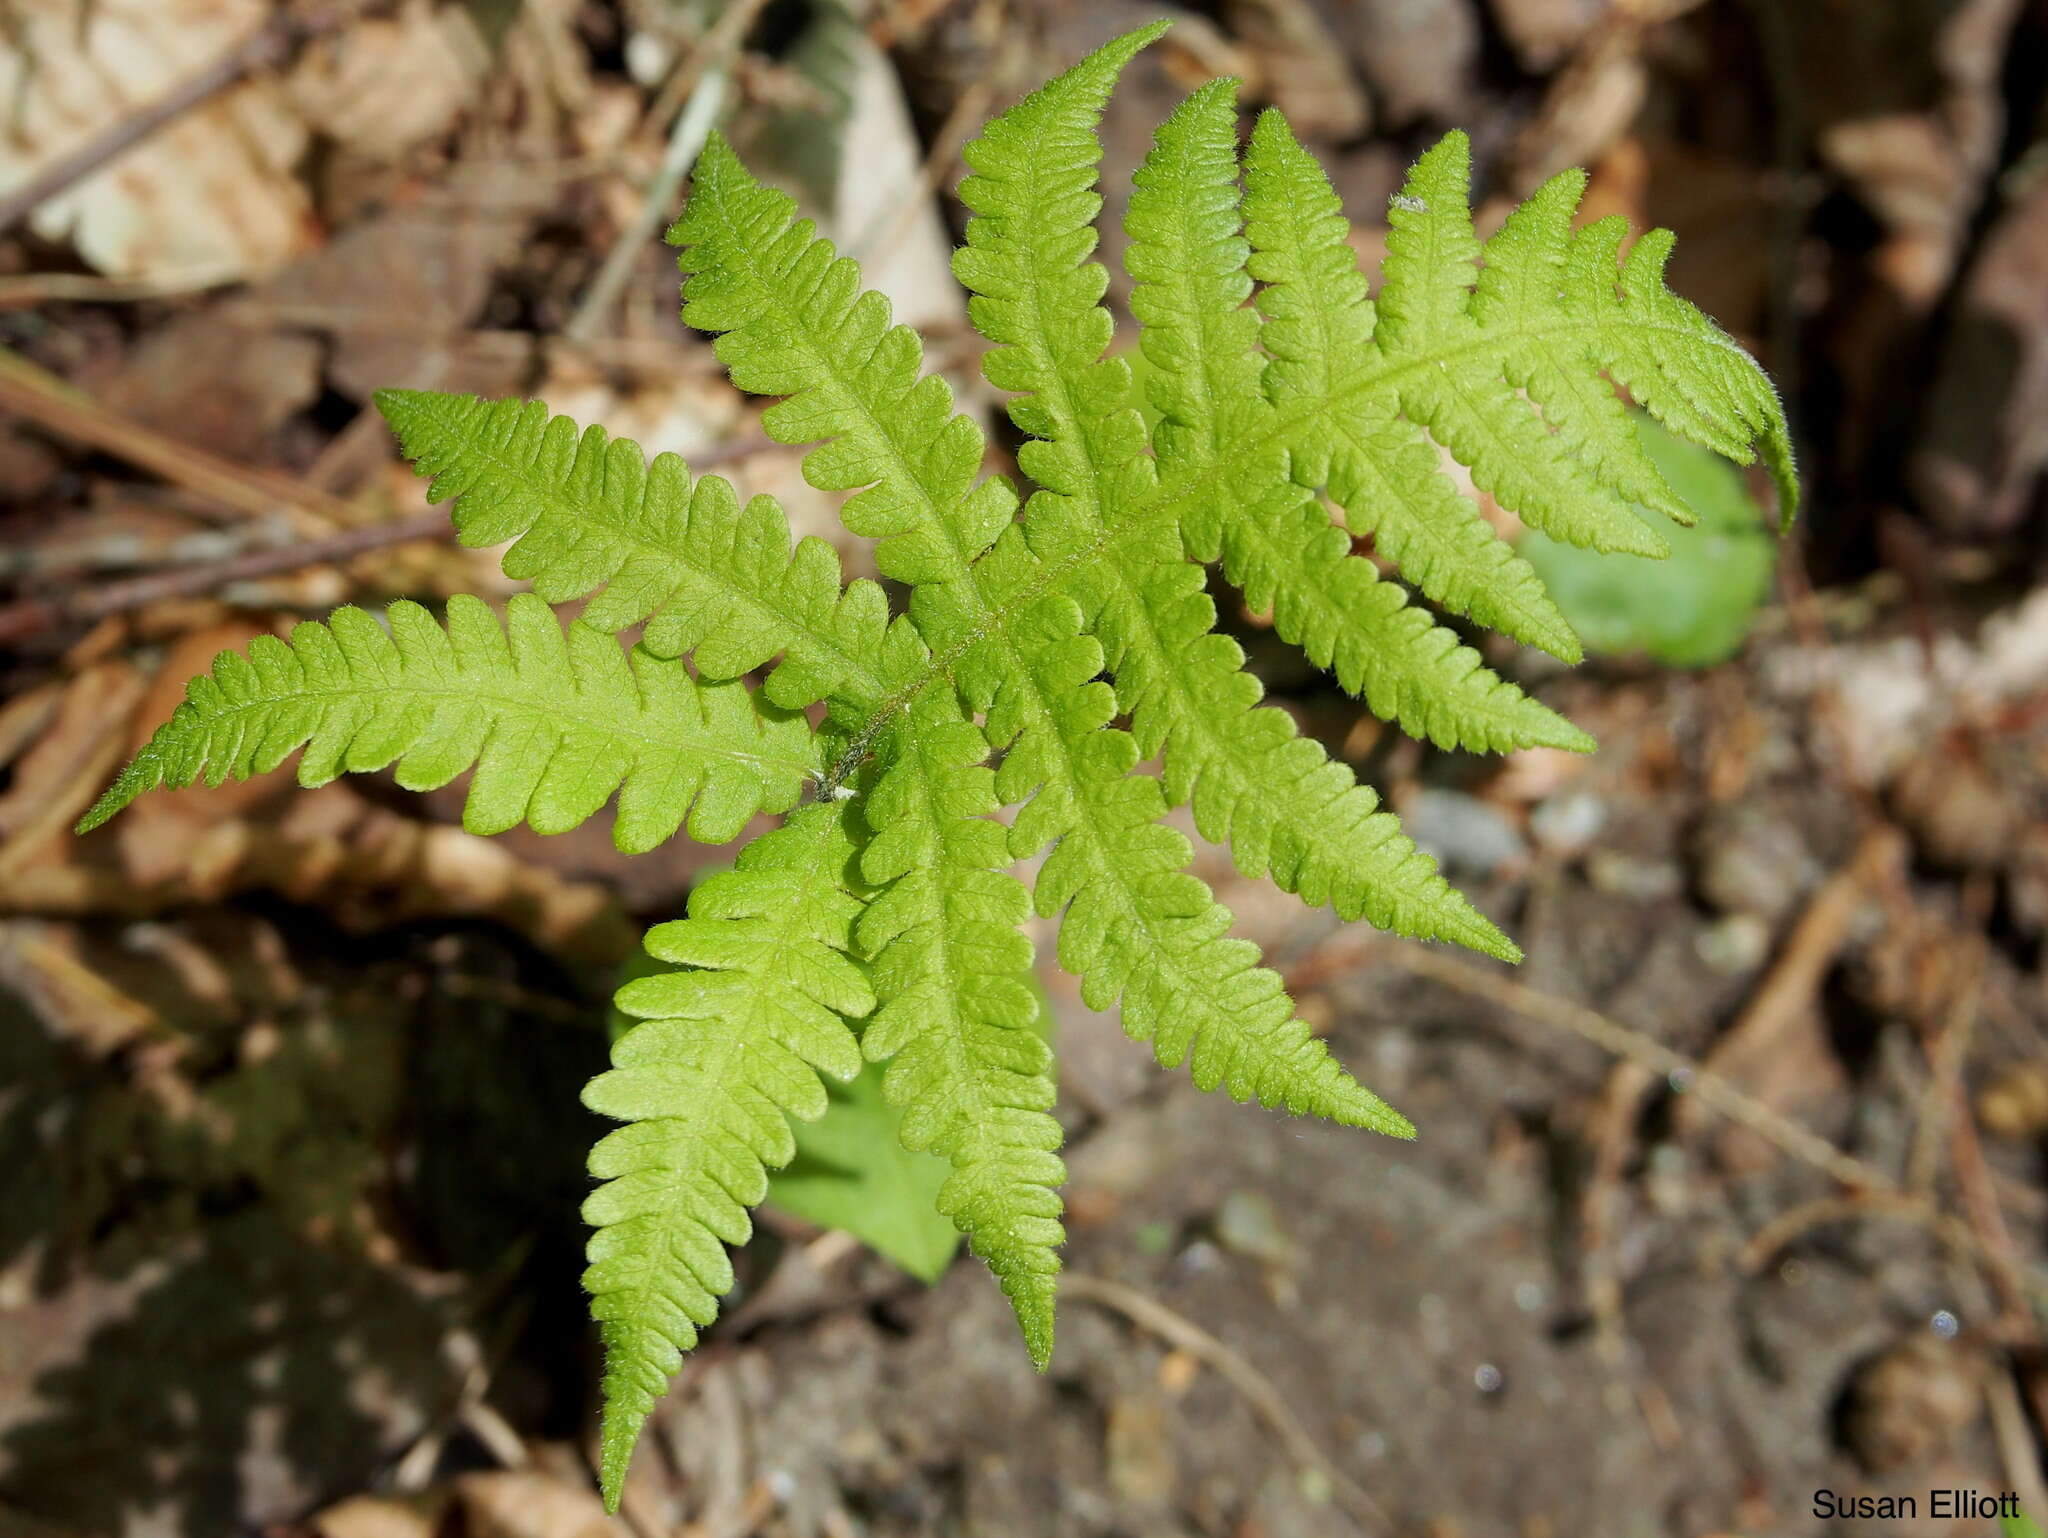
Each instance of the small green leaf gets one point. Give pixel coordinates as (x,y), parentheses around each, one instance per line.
(1692,610)
(2021,1526)
(852,1171)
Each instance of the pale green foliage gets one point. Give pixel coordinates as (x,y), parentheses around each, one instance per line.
(553,724)
(852,1172)
(1693,610)
(882,921)
(727,1051)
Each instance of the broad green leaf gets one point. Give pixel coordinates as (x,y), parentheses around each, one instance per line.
(1692,610)
(852,1172)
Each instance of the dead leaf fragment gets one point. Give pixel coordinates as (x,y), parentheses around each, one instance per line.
(522,1503)
(211,193)
(1543,32)
(376,1516)
(1302,66)
(216,386)
(2014,1105)
(1909,1404)
(58,777)
(1417,55)
(398,291)
(388,83)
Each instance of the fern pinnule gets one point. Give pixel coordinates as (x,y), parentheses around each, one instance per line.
(958,1022)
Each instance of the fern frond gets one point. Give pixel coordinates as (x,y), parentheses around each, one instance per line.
(1289,560)
(793,321)
(725,1053)
(1184,686)
(956,1016)
(1071,636)
(1506,366)
(1137,928)
(684,558)
(553,724)
(1318,325)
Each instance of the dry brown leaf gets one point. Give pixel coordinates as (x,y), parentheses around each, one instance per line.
(1417,55)
(365,866)
(377,1516)
(883,212)
(211,194)
(677,409)
(522,1503)
(388,83)
(39,962)
(58,777)
(398,290)
(1302,66)
(216,386)
(1543,32)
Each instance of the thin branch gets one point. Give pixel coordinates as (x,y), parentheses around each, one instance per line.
(1149,1313)
(1626,1042)
(1869,1190)
(34,615)
(49,402)
(701,84)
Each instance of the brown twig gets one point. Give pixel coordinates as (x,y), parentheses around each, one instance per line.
(1626,1042)
(49,402)
(705,71)
(722,40)
(1948,1048)
(272,44)
(1810,950)
(28,290)
(1149,1313)
(1869,1190)
(1612,1137)
(34,615)
(1888,1203)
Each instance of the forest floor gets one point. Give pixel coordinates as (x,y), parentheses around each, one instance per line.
(1730,1195)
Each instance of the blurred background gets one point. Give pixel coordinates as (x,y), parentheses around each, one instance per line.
(1733,1193)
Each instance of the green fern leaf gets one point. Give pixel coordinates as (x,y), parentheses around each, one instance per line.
(1319,322)
(701,572)
(726,1051)
(1137,927)
(553,724)
(1070,638)
(957,1025)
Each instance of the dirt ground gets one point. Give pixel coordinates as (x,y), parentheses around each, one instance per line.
(1727,1203)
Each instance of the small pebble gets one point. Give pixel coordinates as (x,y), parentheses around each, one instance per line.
(1566,823)
(1247,1224)
(1911,1402)
(1737,943)
(1625,876)
(1467,836)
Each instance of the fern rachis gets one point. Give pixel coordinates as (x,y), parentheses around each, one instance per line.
(881,920)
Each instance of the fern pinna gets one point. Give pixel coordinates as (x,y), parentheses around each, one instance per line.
(881,920)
